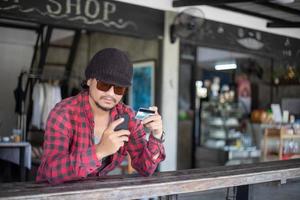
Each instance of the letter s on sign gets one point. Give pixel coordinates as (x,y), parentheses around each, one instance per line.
(51,10)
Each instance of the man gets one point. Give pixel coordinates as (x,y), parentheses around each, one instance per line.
(81,138)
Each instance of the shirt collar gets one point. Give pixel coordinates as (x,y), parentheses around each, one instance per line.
(87,109)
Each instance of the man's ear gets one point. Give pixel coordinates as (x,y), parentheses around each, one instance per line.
(89,82)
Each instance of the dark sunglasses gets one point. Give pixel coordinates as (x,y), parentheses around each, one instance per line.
(105,87)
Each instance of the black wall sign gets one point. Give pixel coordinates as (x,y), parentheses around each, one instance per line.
(97,15)
(226,36)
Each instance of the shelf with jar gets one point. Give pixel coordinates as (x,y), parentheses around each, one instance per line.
(286,76)
(221,130)
(281,143)
(219,124)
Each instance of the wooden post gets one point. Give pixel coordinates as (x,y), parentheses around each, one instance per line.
(242,192)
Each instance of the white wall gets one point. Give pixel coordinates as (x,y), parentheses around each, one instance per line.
(170,96)
(16,50)
(221,15)
(157,4)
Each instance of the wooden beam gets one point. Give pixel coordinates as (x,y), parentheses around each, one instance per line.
(255,14)
(19,26)
(36,46)
(283,25)
(280,7)
(44,49)
(277,22)
(180,3)
(70,62)
(160,184)
(72,54)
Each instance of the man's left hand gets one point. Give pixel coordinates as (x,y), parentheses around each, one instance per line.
(154,123)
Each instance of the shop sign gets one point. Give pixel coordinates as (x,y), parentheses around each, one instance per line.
(98,15)
(242,39)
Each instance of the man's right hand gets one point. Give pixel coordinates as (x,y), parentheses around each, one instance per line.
(111,140)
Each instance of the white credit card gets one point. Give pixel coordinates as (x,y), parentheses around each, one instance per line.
(143,113)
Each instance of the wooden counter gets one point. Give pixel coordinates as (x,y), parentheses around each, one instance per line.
(160,184)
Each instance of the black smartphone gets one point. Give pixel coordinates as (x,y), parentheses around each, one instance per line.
(124,124)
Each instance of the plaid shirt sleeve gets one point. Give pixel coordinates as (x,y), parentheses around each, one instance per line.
(141,151)
(58,164)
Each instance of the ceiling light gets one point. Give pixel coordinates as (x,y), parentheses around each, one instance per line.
(225,66)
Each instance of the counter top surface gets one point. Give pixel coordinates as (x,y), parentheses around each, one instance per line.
(14,144)
(164,183)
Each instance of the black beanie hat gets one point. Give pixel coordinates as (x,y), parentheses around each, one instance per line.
(110,66)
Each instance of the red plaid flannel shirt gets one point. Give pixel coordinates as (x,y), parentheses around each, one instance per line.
(69,149)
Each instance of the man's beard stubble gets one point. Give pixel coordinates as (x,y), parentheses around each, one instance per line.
(102,107)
